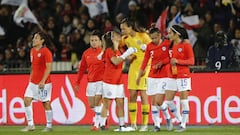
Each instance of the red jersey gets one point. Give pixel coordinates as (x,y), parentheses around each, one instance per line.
(157,53)
(92,64)
(112,73)
(39,58)
(183,52)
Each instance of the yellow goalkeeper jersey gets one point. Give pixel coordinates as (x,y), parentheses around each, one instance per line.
(139,39)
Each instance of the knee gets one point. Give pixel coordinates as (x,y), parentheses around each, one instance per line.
(133,97)
(47,105)
(27,101)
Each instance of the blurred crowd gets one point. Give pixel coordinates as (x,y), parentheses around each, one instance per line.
(68,25)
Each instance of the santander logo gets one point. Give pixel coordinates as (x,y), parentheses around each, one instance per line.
(68,109)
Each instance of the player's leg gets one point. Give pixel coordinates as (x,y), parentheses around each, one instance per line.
(28,97)
(132,107)
(171,89)
(45,98)
(93,93)
(120,106)
(49,116)
(104,111)
(184,101)
(185,107)
(155,114)
(171,105)
(145,110)
(152,91)
(164,108)
(98,108)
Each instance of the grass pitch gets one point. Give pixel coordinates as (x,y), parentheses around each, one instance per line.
(85,130)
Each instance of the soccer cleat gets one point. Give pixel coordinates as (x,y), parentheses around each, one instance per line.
(107,125)
(169,124)
(156,129)
(94,128)
(46,129)
(181,129)
(103,128)
(28,128)
(143,128)
(123,129)
(133,127)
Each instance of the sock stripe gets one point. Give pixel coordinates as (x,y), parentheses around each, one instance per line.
(132,110)
(185,112)
(145,113)
(154,112)
(173,110)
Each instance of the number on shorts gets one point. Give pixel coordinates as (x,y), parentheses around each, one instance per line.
(164,85)
(183,82)
(43,93)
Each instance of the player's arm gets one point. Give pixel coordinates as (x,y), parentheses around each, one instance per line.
(82,69)
(116,60)
(144,65)
(189,54)
(46,74)
(30,77)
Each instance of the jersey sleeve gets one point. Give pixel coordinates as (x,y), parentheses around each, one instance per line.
(146,58)
(82,69)
(146,38)
(48,56)
(189,55)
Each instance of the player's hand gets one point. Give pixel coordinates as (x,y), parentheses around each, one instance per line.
(173,61)
(131,58)
(138,80)
(41,85)
(140,74)
(76,89)
(158,65)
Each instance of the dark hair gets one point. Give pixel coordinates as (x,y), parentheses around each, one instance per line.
(47,41)
(180,31)
(107,37)
(43,36)
(96,32)
(133,24)
(184,34)
(220,38)
(154,30)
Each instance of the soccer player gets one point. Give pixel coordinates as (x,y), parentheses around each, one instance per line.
(95,68)
(40,86)
(113,88)
(133,38)
(181,57)
(157,52)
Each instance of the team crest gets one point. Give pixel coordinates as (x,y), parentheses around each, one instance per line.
(39,55)
(179,49)
(139,42)
(164,48)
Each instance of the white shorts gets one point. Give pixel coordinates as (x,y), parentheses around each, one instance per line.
(42,95)
(94,88)
(113,91)
(180,84)
(156,86)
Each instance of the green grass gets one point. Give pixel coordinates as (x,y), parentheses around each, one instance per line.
(85,130)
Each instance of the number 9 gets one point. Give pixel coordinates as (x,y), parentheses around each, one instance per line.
(218,65)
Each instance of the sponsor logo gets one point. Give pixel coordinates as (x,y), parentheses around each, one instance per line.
(68,109)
